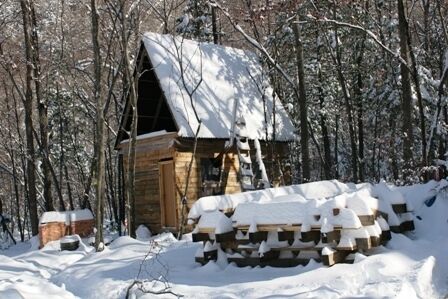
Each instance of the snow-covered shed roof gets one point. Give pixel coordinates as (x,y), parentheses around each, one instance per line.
(228,74)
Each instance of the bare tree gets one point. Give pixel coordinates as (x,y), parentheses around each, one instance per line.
(28,103)
(406,90)
(100,126)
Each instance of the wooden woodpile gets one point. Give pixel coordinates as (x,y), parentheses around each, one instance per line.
(55,225)
(287,234)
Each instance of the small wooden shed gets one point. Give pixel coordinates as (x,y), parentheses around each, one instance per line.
(55,225)
(177,80)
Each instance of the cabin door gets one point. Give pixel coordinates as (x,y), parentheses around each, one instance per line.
(168,204)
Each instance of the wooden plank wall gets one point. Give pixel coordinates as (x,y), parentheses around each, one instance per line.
(147,194)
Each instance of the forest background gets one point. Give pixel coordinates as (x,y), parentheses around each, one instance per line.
(363,81)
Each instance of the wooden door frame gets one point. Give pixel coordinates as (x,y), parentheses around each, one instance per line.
(162,193)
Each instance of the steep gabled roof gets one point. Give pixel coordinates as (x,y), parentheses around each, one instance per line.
(219,75)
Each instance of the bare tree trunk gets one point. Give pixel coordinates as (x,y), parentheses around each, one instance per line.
(336,56)
(215,27)
(43,112)
(69,188)
(100,121)
(111,178)
(28,103)
(304,134)
(14,174)
(394,163)
(323,118)
(121,195)
(348,108)
(416,79)
(132,94)
(336,148)
(358,85)
(85,202)
(406,91)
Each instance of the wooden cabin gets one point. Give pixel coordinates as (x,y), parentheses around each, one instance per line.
(177,80)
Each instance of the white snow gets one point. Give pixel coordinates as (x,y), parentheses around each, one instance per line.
(143,233)
(264,247)
(383,192)
(348,219)
(413,266)
(273,242)
(342,211)
(66,217)
(216,220)
(346,241)
(69,239)
(313,190)
(358,203)
(226,77)
(259,159)
(224,225)
(328,251)
(210,247)
(326,226)
(147,135)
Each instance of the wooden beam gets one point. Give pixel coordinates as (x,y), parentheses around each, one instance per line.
(334,258)
(156,116)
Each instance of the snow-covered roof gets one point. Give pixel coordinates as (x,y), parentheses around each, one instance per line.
(66,217)
(228,75)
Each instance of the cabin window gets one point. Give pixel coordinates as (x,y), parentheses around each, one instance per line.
(211,177)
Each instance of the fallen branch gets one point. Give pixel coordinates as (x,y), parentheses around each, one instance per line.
(141,287)
(140,284)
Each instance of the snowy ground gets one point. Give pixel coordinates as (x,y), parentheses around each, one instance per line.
(412,266)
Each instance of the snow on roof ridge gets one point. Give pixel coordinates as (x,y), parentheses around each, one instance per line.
(228,74)
(148,135)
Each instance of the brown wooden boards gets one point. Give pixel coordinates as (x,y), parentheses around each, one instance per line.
(167,195)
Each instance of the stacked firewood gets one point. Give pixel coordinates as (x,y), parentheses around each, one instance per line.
(288,231)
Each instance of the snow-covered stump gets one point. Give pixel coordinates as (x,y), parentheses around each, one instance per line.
(69,243)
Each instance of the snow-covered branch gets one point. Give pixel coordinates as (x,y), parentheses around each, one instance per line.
(255,44)
(367,31)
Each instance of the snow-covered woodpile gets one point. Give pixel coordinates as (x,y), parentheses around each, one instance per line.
(327,221)
(55,225)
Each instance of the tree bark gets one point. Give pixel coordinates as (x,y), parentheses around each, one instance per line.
(215,27)
(14,173)
(99,140)
(42,111)
(28,105)
(348,108)
(328,163)
(406,91)
(132,97)
(358,86)
(302,101)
